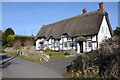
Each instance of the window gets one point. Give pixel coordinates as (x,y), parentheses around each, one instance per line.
(70,44)
(56,44)
(45,45)
(65,44)
(89,44)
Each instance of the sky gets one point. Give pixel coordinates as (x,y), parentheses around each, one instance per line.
(26,18)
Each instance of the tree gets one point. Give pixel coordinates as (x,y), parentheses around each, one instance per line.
(10,40)
(117,31)
(7,32)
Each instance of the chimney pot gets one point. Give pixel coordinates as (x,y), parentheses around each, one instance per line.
(84,10)
(101,6)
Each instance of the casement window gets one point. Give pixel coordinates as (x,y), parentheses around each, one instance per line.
(56,44)
(70,44)
(89,44)
(74,43)
(45,45)
(65,44)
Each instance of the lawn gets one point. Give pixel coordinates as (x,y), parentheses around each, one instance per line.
(54,55)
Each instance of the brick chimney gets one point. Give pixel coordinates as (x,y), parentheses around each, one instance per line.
(101,6)
(84,10)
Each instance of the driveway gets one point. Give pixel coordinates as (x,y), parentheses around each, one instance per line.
(20,68)
(60,65)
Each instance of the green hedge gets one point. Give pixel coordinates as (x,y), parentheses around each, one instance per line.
(23,39)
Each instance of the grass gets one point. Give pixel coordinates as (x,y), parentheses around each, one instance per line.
(26,58)
(2,51)
(54,53)
(57,57)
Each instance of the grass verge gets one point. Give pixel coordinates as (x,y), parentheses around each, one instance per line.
(26,58)
(57,57)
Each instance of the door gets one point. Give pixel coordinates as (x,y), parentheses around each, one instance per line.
(81,46)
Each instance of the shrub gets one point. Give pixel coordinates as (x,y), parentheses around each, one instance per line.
(108,58)
(117,31)
(10,40)
(69,52)
(84,65)
(104,62)
(66,53)
(47,50)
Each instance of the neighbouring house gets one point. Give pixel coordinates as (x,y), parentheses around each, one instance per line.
(82,32)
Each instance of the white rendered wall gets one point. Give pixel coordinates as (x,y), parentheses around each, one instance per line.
(87,47)
(38,44)
(94,45)
(78,47)
(104,31)
(84,47)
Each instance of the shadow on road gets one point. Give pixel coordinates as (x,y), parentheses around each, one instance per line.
(7,62)
(4,57)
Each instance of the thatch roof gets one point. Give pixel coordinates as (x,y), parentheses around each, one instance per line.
(80,25)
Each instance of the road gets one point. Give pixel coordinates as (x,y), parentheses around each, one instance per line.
(60,65)
(20,68)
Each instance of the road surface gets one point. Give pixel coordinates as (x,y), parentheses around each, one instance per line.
(20,68)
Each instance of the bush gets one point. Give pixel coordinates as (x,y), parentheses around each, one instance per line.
(47,50)
(10,40)
(84,66)
(105,62)
(109,58)
(69,52)
(66,53)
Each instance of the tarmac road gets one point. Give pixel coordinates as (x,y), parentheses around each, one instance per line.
(20,68)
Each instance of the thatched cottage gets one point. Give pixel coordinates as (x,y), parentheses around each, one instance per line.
(82,32)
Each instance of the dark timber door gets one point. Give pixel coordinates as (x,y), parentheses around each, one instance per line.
(81,46)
